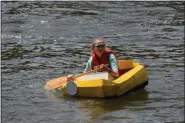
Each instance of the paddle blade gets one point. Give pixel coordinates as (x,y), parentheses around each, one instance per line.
(55,83)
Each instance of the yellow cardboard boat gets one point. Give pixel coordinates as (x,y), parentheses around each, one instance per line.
(132,75)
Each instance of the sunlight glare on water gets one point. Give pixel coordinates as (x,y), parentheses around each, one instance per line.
(45,40)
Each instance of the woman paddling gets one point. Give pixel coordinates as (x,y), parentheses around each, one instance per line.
(102,58)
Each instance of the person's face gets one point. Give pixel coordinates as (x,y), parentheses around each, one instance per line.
(99,47)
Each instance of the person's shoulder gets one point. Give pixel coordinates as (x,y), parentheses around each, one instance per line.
(111,56)
(90,59)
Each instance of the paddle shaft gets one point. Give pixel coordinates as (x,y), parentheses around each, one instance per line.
(92,71)
(76,76)
(55,83)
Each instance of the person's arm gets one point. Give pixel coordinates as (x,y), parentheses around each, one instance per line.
(114,66)
(88,65)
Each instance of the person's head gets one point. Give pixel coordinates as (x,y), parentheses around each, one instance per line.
(98,46)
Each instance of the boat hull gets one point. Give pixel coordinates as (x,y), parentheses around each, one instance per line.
(134,75)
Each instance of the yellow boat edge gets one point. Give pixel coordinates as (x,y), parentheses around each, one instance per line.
(135,75)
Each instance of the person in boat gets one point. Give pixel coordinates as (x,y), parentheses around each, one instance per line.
(103,58)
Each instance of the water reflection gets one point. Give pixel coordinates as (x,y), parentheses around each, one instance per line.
(50,39)
(95,107)
(104,109)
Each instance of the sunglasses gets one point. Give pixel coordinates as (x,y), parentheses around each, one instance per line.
(100,46)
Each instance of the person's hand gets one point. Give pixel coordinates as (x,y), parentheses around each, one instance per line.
(104,67)
(70,77)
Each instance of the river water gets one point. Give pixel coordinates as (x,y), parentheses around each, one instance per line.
(45,40)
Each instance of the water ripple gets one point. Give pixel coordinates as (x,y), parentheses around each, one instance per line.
(42,40)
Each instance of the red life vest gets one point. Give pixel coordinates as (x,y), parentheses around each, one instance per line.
(104,59)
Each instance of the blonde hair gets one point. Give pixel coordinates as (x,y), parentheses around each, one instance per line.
(94,42)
